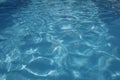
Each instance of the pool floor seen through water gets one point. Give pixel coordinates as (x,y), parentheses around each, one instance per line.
(59,40)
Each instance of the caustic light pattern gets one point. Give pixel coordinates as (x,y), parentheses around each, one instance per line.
(56,40)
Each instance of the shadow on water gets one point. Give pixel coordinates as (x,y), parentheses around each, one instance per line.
(109,10)
(109,13)
(7,9)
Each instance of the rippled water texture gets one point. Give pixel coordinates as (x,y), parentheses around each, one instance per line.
(56,40)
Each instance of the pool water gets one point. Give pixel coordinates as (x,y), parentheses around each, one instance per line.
(59,40)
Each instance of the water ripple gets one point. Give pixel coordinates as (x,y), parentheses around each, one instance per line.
(56,40)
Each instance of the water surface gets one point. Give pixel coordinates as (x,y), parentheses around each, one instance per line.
(57,40)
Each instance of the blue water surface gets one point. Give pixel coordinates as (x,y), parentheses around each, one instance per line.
(59,40)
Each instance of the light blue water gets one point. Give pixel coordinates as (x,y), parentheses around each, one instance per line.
(56,40)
